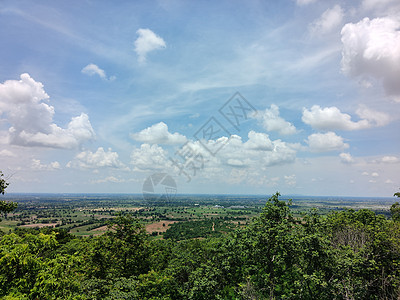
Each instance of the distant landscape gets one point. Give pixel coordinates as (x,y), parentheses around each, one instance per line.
(89,214)
(121,246)
(200,150)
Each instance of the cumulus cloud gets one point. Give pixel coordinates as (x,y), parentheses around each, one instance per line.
(372,48)
(37,165)
(158,134)
(257,152)
(331,118)
(149,157)
(273,122)
(95,160)
(329,20)
(346,158)
(374,118)
(258,141)
(31,119)
(146,42)
(326,142)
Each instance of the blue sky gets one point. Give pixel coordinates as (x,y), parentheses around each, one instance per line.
(95,96)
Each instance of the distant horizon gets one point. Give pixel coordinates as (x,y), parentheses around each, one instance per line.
(203,194)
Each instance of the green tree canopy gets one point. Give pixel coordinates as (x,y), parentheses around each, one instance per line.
(5,206)
(3,183)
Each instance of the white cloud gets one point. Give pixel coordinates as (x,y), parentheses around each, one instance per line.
(258,152)
(290,180)
(273,122)
(372,174)
(390,159)
(31,119)
(149,157)
(92,69)
(251,158)
(107,179)
(282,153)
(158,134)
(330,19)
(79,130)
(146,42)
(378,4)
(304,2)
(346,158)
(7,153)
(331,118)
(235,162)
(37,165)
(326,142)
(254,156)
(258,141)
(372,48)
(98,159)
(374,118)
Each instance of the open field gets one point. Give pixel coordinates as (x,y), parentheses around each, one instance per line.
(161,226)
(89,215)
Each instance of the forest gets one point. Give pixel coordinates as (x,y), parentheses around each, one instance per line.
(348,254)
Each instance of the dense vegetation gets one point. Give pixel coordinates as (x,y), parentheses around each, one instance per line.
(343,255)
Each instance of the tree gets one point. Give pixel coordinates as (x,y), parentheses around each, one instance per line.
(121,252)
(395,211)
(3,183)
(269,251)
(5,206)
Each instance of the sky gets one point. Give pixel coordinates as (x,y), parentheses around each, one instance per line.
(231,97)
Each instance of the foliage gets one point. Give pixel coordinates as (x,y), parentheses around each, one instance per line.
(344,255)
(3,183)
(197,229)
(395,211)
(5,206)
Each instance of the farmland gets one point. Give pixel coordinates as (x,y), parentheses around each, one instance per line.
(89,214)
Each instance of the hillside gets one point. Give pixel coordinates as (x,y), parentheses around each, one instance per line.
(346,254)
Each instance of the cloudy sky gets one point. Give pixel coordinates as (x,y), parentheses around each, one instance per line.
(250,97)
